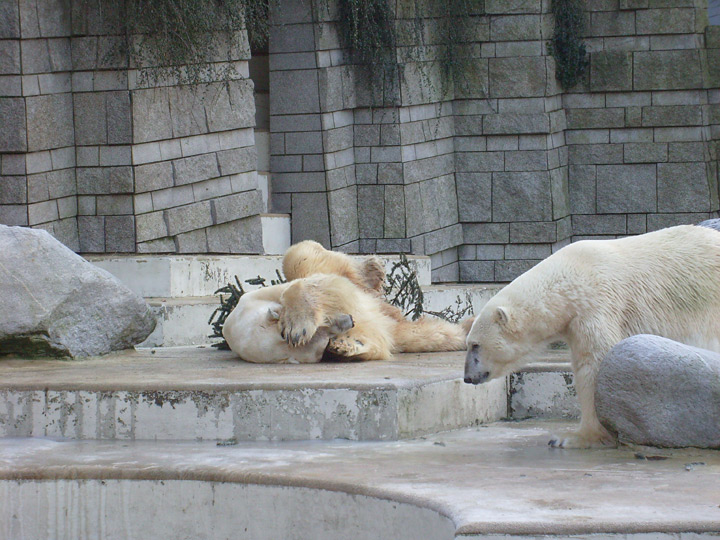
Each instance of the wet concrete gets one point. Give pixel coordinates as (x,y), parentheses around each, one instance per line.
(500,479)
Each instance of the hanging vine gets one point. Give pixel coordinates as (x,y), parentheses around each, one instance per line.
(567,45)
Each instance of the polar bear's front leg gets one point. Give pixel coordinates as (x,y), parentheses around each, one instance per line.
(300,317)
(591,433)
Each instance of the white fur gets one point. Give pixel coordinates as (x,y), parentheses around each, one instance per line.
(596,293)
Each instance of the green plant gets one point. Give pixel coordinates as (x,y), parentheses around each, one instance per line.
(567,46)
(186,40)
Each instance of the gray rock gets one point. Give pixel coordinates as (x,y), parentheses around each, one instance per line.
(657,392)
(711,223)
(56,303)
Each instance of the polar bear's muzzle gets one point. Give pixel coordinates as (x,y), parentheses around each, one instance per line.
(475,371)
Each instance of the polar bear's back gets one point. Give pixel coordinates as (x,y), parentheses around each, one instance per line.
(665,282)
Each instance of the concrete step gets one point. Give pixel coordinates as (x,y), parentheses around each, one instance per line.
(179,276)
(202,393)
(184,321)
(499,481)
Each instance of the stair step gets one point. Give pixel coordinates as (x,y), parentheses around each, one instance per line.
(175,276)
(202,393)
(498,481)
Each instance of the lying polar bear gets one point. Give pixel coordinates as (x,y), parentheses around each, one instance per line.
(332,304)
(595,293)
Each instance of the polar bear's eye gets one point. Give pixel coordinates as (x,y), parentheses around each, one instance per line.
(475,347)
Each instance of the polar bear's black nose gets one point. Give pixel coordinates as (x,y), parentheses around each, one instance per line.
(468,380)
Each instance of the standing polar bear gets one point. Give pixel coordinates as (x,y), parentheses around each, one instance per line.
(595,293)
(332,303)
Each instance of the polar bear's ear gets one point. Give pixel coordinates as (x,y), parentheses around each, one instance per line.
(272,314)
(501,316)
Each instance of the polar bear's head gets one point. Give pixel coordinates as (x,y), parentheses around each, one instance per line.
(496,345)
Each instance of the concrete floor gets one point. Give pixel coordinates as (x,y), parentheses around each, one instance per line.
(499,479)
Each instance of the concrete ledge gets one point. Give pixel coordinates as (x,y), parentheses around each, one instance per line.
(201,393)
(544,389)
(172,276)
(495,481)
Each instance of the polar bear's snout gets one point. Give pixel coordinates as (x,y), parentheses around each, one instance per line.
(475,371)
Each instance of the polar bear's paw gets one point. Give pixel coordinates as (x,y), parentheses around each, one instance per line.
(346,346)
(297,328)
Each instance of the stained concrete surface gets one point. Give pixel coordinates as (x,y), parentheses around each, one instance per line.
(495,479)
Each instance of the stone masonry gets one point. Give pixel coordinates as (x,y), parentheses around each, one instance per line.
(488,170)
(494,175)
(107,162)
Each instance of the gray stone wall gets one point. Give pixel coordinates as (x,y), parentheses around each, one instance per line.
(108,161)
(491,176)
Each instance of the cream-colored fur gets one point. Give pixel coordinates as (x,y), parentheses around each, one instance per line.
(332,304)
(594,294)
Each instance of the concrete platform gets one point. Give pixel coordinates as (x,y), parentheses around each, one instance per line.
(202,393)
(499,481)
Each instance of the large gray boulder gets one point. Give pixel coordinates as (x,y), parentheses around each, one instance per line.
(711,224)
(56,303)
(658,392)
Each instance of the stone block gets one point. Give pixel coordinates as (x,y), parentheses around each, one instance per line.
(533,233)
(581,185)
(526,160)
(297,92)
(42,212)
(476,271)
(241,236)
(506,271)
(386,154)
(612,23)
(486,233)
(515,124)
(91,233)
(292,38)
(13,190)
(394,222)
(673,115)
(90,118)
(527,251)
(611,71)
(479,161)
(390,173)
(188,113)
(12,113)
(517,77)
(513,6)
(521,196)
(596,118)
(237,206)
(286,163)
(161,245)
(12,164)
(120,234)
(304,143)
(149,226)
(665,21)
(591,225)
(310,218)
(662,221)
(595,154)
(443,239)
(195,168)
(683,187)
(119,117)
(645,152)
(474,195)
(687,151)
(61,183)
(626,189)
(237,160)
(230,106)
(298,182)
(636,223)
(657,392)
(151,115)
(115,155)
(369,135)
(392,245)
(343,207)
(109,205)
(667,70)
(515,28)
(188,218)
(371,203)
(153,176)
(366,173)
(9,20)
(9,57)
(13,215)
(192,242)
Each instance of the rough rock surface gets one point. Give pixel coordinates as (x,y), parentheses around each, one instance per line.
(658,392)
(711,224)
(54,302)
